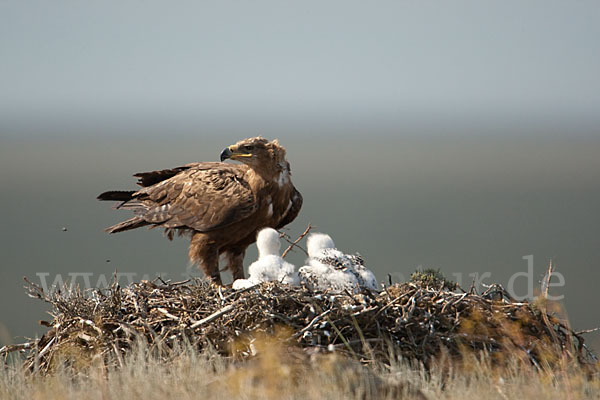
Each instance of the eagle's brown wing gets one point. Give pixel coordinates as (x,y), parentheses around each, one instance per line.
(145,179)
(203,197)
(150,178)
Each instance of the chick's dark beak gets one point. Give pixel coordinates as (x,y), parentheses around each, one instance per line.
(225,154)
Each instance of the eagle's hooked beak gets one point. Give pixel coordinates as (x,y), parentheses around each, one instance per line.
(233,154)
(225,154)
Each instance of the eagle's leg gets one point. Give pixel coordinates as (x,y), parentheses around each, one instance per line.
(235,261)
(207,257)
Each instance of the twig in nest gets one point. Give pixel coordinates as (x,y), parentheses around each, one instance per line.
(544,303)
(311,324)
(587,331)
(546,281)
(295,242)
(213,316)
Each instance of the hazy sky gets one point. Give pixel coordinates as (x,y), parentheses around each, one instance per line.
(270,60)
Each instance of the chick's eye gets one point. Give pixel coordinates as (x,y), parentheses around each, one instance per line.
(248,148)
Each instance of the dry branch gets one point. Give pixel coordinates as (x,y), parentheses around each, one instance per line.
(295,242)
(212,316)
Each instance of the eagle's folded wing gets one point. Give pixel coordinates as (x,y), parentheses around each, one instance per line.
(150,178)
(201,197)
(294,209)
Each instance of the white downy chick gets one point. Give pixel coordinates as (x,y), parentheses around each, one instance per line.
(329,268)
(325,269)
(269,266)
(366,278)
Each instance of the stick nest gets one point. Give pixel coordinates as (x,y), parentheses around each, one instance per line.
(420,320)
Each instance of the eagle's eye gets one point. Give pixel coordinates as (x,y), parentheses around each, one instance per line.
(248,148)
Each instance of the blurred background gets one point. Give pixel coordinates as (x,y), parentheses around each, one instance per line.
(456,135)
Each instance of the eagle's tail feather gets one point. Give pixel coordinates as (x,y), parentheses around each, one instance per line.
(126,225)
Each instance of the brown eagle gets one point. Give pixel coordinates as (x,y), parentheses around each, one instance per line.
(221,206)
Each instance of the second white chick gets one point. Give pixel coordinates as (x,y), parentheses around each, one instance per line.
(329,268)
(269,266)
(325,269)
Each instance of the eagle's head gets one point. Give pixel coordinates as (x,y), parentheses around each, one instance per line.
(255,152)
